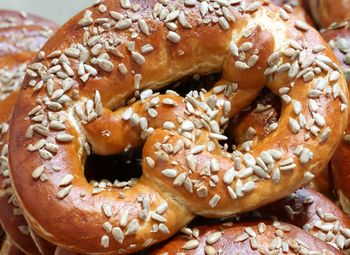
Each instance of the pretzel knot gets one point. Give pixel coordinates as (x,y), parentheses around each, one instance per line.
(83,80)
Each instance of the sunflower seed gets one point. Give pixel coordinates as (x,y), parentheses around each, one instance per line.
(213,238)
(144,27)
(214,201)
(122,69)
(107,209)
(173,37)
(242,237)
(105,65)
(301,25)
(138,58)
(64,192)
(66,180)
(63,137)
(118,235)
(190,245)
(105,241)
(123,24)
(38,172)
(171,173)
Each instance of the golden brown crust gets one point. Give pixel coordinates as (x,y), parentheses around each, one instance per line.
(155,208)
(338,37)
(327,12)
(314,213)
(20,38)
(340,170)
(227,239)
(260,120)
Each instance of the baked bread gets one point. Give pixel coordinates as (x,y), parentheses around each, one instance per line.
(116,52)
(245,238)
(338,36)
(328,12)
(313,212)
(260,120)
(21,36)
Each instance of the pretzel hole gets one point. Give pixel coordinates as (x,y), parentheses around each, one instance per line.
(119,170)
(257,121)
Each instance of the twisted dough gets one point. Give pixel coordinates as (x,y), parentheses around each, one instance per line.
(74,98)
(245,238)
(260,120)
(314,213)
(328,12)
(21,36)
(338,37)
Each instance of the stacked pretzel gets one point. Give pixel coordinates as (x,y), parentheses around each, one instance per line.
(21,36)
(100,85)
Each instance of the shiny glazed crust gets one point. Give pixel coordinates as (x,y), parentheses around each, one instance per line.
(245,238)
(313,212)
(21,36)
(81,99)
(338,36)
(327,12)
(260,120)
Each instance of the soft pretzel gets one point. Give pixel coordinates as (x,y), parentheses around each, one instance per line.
(257,121)
(21,36)
(338,36)
(305,209)
(245,238)
(328,12)
(260,120)
(314,213)
(116,50)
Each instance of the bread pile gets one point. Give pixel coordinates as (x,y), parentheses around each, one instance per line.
(176,127)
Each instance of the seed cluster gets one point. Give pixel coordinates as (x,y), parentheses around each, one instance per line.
(57,75)
(279,243)
(322,223)
(11,77)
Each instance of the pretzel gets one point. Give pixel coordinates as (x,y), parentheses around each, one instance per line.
(338,37)
(259,121)
(328,12)
(314,213)
(86,112)
(305,209)
(21,36)
(248,238)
